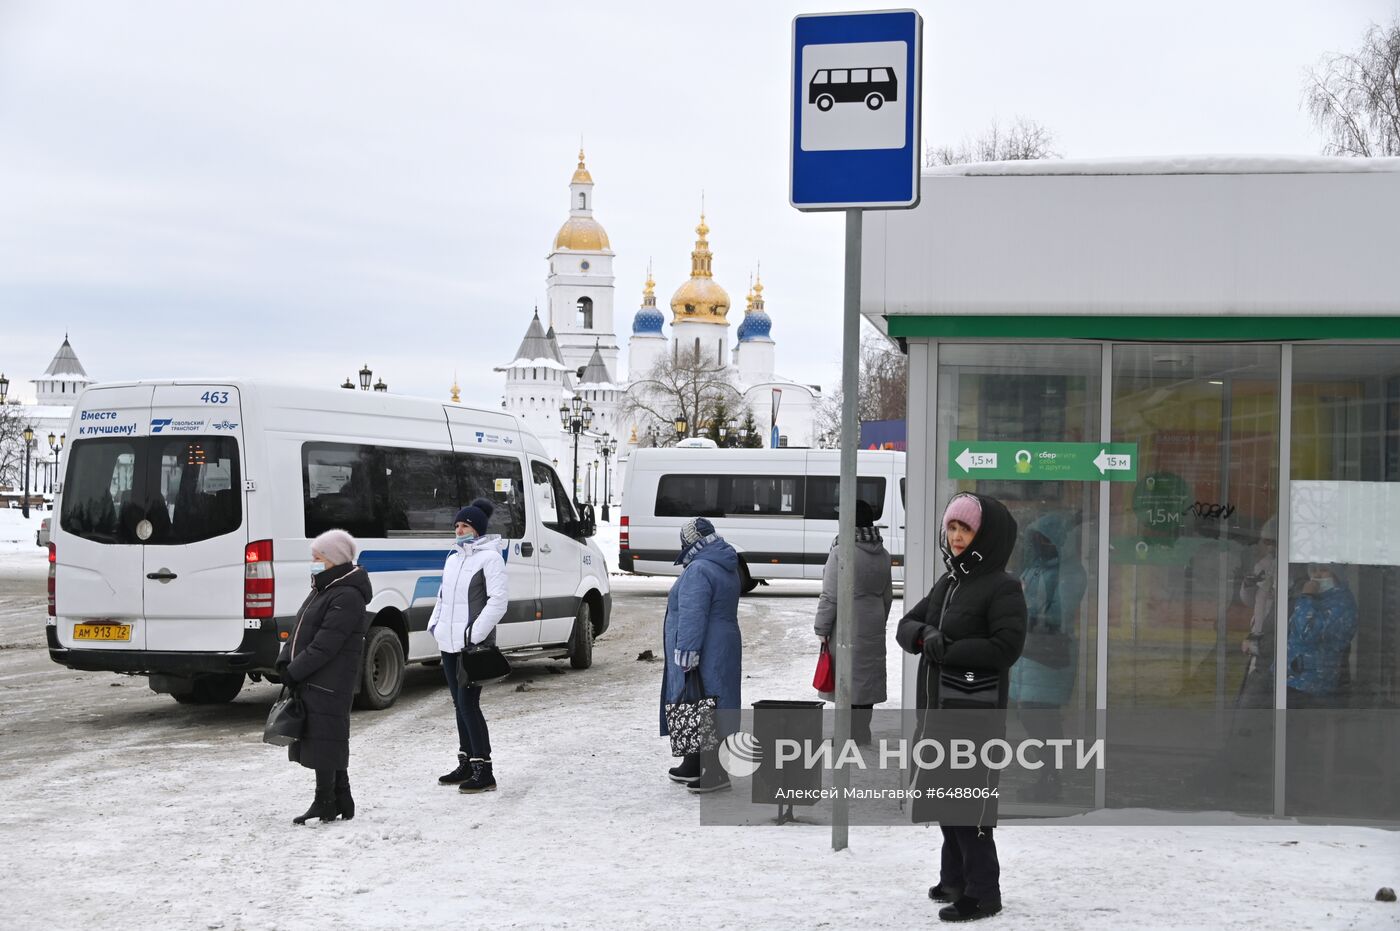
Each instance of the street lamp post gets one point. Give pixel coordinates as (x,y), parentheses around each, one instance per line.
(681,426)
(4,387)
(576,417)
(24,502)
(56,447)
(365,376)
(606,446)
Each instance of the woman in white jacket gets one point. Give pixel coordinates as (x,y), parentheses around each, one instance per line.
(470,602)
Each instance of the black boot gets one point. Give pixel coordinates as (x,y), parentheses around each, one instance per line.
(344,801)
(688,771)
(939,893)
(324,806)
(713,778)
(968,908)
(461,774)
(481,780)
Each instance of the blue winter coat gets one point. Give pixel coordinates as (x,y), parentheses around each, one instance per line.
(1054,583)
(1319,640)
(702,613)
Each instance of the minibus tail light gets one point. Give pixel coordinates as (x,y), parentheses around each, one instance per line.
(624,535)
(258,583)
(53,566)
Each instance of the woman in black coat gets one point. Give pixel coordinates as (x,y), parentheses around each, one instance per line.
(968,630)
(321,662)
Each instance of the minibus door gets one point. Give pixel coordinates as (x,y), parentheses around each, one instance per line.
(561,555)
(194,528)
(99,574)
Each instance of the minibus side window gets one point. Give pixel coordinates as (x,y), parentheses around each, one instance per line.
(764,495)
(553,501)
(497,479)
(690,496)
(823,491)
(345,486)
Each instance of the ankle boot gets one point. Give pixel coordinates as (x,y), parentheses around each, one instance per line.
(324,806)
(688,771)
(344,801)
(461,774)
(713,778)
(481,780)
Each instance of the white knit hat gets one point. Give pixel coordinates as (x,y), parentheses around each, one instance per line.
(337,546)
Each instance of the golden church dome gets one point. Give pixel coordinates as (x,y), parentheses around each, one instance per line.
(582,234)
(700,299)
(581,175)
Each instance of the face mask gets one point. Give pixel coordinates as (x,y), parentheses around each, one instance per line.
(317,568)
(1326,584)
(465,537)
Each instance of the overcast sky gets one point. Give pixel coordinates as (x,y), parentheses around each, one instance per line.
(291,189)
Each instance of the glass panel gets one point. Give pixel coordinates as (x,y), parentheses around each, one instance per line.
(194,492)
(1344,552)
(1036,394)
(97,488)
(1184,571)
(823,491)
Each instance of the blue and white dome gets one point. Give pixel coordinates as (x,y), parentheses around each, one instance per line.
(648,321)
(756,323)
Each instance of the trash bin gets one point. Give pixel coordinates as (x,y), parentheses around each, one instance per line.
(789,720)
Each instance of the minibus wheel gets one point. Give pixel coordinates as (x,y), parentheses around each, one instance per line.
(581,637)
(381,670)
(874,101)
(212,690)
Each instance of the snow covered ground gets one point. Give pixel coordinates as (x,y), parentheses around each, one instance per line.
(17,533)
(120,809)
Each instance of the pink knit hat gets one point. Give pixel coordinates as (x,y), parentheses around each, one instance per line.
(336,546)
(965,508)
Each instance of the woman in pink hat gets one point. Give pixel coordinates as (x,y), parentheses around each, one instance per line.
(968,631)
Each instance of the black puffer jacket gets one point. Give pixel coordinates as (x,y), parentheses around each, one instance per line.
(979,609)
(984,627)
(323,656)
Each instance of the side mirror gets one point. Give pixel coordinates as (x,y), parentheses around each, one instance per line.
(587,524)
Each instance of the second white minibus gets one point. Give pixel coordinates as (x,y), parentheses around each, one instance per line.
(777,507)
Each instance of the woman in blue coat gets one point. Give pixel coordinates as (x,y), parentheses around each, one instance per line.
(701,632)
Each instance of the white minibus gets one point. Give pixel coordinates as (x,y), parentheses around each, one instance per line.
(181,548)
(777,507)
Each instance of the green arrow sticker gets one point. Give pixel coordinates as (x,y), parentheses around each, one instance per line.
(1043,462)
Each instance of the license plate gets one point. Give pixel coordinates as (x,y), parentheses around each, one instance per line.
(102,632)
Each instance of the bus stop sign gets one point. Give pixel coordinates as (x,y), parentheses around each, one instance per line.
(856,81)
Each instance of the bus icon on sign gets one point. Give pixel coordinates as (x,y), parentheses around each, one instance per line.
(871,86)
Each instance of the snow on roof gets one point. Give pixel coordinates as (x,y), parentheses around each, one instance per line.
(537,348)
(1174,165)
(523,362)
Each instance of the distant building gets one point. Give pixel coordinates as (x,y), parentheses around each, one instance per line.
(55,393)
(574,351)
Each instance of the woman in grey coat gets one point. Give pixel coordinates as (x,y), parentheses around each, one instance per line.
(874,595)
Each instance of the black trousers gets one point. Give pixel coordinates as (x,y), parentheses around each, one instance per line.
(473,738)
(331,781)
(860,723)
(970,862)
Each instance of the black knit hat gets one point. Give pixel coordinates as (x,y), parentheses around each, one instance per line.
(478,514)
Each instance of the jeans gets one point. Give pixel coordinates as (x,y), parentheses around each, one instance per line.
(473,738)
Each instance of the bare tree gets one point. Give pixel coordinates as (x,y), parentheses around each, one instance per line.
(1023,140)
(12,424)
(1354,97)
(884,387)
(685,385)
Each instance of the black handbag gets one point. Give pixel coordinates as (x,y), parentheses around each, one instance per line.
(968,688)
(691,721)
(480,662)
(286,721)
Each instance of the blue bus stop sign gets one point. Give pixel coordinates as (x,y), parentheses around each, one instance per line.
(856,80)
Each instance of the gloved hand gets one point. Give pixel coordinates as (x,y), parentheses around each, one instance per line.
(935,645)
(286,678)
(687,659)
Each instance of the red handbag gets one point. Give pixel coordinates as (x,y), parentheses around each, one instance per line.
(825,678)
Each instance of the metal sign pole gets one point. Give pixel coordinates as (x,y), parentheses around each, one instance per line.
(846,527)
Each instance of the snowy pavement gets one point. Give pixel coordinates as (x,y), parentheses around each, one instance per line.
(122,809)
